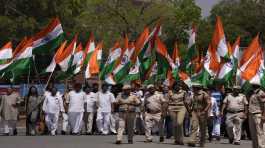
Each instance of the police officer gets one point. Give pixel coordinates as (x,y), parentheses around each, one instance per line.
(155,111)
(127,103)
(177,110)
(199,109)
(236,108)
(257,117)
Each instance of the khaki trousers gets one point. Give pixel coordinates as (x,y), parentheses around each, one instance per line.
(178,119)
(150,121)
(126,120)
(257,131)
(234,125)
(88,119)
(198,122)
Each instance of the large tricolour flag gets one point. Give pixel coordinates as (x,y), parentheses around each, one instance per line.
(122,69)
(219,41)
(49,38)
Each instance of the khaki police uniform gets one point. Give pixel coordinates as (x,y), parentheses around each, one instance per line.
(199,116)
(127,112)
(177,111)
(153,114)
(235,106)
(256,107)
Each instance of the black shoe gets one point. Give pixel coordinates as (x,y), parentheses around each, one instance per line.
(118,142)
(178,143)
(130,141)
(218,138)
(15,132)
(236,143)
(161,139)
(191,144)
(148,141)
(63,133)
(88,133)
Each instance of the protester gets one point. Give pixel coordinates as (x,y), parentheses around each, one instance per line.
(9,111)
(52,107)
(90,109)
(33,110)
(76,103)
(104,109)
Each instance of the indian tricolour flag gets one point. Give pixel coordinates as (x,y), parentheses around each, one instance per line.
(134,73)
(49,38)
(93,65)
(211,65)
(111,62)
(57,58)
(89,49)
(152,74)
(6,52)
(78,59)
(219,40)
(67,54)
(226,71)
(254,70)
(21,60)
(123,66)
(162,51)
(191,52)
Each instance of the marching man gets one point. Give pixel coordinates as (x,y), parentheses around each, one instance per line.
(52,106)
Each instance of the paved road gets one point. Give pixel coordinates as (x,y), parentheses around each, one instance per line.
(96,142)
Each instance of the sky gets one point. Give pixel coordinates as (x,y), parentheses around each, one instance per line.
(206,6)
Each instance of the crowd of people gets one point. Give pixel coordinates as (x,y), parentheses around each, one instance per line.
(176,111)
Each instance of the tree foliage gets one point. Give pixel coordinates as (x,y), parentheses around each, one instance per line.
(109,20)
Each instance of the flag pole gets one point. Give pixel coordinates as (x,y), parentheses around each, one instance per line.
(50,76)
(37,73)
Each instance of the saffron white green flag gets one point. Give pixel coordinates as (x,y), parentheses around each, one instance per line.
(111,61)
(49,38)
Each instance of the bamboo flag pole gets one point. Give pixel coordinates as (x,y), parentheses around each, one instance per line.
(50,76)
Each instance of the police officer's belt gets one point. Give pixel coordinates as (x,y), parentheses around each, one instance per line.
(152,112)
(234,112)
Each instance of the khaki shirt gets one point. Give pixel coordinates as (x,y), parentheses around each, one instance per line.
(200,101)
(176,100)
(127,103)
(154,103)
(235,103)
(257,101)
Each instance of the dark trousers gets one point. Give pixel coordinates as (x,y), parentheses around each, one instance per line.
(168,127)
(210,121)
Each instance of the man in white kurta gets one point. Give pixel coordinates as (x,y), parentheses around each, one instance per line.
(52,106)
(9,111)
(90,109)
(104,105)
(76,108)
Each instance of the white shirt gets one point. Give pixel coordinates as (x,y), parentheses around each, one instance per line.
(76,101)
(214,108)
(53,104)
(91,102)
(104,101)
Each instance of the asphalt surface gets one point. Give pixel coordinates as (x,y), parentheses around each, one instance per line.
(98,142)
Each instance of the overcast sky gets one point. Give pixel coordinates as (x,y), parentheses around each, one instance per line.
(206,6)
